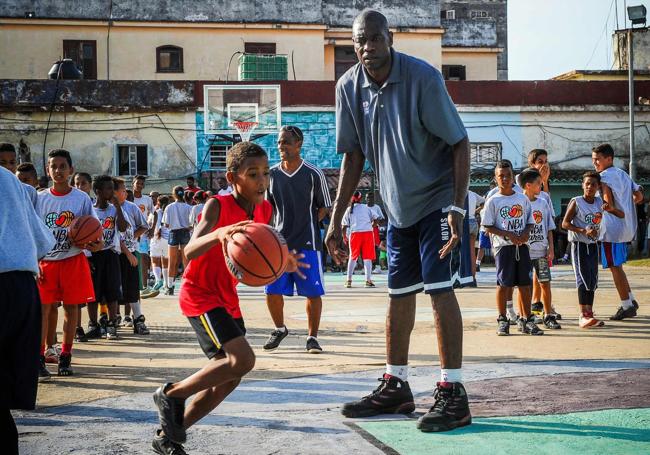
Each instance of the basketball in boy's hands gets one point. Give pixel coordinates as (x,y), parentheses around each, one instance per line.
(84,230)
(258,256)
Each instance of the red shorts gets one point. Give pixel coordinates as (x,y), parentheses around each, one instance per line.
(375,235)
(67,281)
(362,244)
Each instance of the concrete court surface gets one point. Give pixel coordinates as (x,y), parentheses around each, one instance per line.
(593,384)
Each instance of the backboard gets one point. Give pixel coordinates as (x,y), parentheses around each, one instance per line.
(225,104)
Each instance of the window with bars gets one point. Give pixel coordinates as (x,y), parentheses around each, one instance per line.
(344,59)
(83,54)
(259,48)
(169,59)
(218,155)
(485,152)
(448,14)
(478,14)
(132,160)
(453,72)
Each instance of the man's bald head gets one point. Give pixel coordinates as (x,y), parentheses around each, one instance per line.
(370,16)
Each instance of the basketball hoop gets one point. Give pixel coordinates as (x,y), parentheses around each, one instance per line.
(245,129)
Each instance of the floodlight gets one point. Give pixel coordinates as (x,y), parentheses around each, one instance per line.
(637,14)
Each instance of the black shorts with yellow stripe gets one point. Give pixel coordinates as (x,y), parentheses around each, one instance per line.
(215,328)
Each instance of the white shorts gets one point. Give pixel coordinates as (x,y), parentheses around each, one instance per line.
(159,248)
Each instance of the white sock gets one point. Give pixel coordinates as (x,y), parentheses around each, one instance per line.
(282,329)
(478,262)
(157,271)
(451,375)
(172,282)
(165,274)
(351,265)
(631,296)
(137,309)
(625,304)
(367,267)
(310,338)
(399,371)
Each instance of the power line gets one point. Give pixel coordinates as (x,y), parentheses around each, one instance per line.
(604,32)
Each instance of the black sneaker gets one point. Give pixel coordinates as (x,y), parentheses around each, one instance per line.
(636,304)
(118,320)
(623,314)
(275,339)
(313,347)
(103,322)
(80,335)
(503,328)
(478,267)
(43,373)
(139,328)
(170,414)
(450,410)
(393,396)
(529,327)
(94,331)
(165,446)
(64,365)
(537,308)
(170,290)
(550,322)
(111,331)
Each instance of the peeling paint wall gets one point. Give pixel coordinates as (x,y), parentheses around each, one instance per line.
(641,41)
(465,26)
(92,138)
(407,13)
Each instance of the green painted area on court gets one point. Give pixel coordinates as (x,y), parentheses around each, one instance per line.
(613,431)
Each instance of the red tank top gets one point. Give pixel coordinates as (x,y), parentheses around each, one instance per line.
(207,283)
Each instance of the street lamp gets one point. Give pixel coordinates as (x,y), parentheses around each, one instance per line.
(637,15)
(62,69)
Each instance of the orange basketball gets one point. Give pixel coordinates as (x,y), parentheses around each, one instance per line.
(85,229)
(258,256)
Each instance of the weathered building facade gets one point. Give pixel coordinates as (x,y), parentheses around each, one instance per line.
(476,31)
(199,40)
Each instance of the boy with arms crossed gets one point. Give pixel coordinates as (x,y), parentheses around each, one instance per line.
(508,219)
(105,263)
(620,196)
(129,270)
(209,299)
(540,242)
(582,221)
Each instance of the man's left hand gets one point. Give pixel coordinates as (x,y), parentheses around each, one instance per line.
(455,221)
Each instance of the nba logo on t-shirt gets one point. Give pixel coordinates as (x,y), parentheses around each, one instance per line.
(366,107)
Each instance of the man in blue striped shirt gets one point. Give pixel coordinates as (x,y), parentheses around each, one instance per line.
(300,198)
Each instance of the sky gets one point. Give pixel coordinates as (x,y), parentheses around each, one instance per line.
(550,37)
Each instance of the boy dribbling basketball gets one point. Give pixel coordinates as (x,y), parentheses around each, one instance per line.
(209,299)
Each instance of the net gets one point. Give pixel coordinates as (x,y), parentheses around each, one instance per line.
(245,129)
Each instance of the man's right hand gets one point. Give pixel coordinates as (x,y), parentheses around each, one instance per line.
(334,243)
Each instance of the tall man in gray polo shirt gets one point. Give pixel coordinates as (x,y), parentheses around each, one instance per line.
(394,110)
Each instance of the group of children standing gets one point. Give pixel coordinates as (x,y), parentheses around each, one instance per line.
(518,217)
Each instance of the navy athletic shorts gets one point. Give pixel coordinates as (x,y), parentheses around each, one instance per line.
(414,264)
(584,257)
(514,267)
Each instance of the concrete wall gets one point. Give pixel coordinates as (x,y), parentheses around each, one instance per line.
(206,51)
(92,138)
(641,41)
(479,66)
(426,46)
(498,11)
(408,13)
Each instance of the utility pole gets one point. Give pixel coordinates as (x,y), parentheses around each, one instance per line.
(630,70)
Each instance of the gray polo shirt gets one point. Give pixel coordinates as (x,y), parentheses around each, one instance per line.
(405,129)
